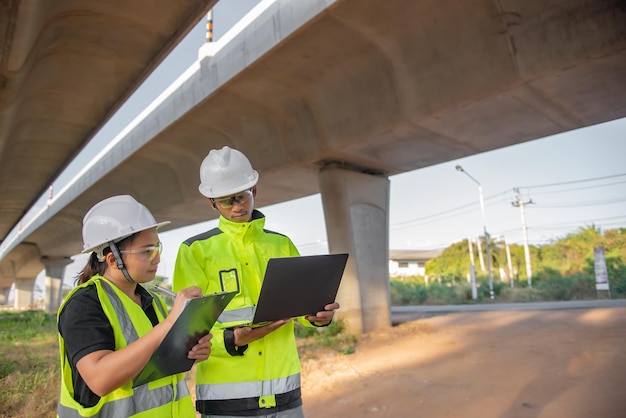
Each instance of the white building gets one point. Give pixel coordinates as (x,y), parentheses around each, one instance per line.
(404,263)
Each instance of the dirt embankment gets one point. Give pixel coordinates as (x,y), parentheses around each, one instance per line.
(557,364)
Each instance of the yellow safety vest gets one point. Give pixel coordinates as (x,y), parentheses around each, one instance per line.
(166,397)
(231,257)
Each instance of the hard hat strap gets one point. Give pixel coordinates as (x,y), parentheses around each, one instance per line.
(120,262)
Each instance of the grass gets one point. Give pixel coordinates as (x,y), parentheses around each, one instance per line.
(310,340)
(29,364)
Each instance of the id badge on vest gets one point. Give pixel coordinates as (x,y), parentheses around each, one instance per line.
(229,280)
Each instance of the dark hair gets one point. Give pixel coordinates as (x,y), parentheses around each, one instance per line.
(96,267)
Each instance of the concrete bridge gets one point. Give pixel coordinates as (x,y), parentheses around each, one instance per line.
(327,97)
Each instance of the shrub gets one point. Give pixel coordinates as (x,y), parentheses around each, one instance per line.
(520,294)
(407,293)
(331,336)
(547,285)
(577,287)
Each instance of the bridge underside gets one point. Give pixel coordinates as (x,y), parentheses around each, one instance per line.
(65,68)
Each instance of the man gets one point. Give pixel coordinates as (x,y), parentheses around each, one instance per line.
(251,371)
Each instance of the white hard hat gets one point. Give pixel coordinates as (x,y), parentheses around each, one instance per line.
(114,219)
(224,172)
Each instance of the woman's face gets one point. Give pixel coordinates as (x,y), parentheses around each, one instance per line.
(142,256)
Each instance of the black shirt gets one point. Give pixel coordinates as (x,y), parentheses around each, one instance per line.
(86,329)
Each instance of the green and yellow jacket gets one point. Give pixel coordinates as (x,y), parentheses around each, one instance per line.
(266,374)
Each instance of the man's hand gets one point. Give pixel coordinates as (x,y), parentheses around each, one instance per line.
(324,317)
(245,335)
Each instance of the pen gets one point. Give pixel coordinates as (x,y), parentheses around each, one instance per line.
(164,291)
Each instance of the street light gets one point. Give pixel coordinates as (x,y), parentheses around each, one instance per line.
(482,210)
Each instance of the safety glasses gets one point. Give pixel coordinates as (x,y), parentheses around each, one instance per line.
(227,202)
(147,253)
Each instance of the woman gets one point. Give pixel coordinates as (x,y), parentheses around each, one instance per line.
(109,325)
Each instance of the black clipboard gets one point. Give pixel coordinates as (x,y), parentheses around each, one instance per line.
(297,286)
(196,320)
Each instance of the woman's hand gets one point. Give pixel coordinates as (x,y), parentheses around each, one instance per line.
(182,297)
(202,350)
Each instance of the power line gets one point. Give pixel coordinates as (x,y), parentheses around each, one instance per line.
(468,207)
(616,220)
(596,186)
(585,221)
(579,203)
(572,182)
(436,215)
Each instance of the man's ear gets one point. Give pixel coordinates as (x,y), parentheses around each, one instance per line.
(254,191)
(212,203)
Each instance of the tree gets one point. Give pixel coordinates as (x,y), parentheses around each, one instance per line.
(567,256)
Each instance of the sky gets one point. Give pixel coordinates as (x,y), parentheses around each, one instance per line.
(567,181)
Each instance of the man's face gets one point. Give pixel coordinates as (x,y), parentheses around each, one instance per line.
(236,207)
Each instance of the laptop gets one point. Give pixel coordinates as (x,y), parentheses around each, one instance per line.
(298,286)
(196,320)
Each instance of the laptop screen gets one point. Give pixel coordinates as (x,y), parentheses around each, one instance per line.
(297,286)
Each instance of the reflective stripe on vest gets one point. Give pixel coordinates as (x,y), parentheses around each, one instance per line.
(128,329)
(237,315)
(160,306)
(247,389)
(143,399)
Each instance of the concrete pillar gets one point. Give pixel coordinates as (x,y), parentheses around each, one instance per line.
(55,271)
(356,211)
(7,278)
(23,293)
(4,295)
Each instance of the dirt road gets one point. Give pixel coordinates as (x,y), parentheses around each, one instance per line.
(548,364)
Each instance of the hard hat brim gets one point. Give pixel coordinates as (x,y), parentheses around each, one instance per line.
(214,194)
(118,239)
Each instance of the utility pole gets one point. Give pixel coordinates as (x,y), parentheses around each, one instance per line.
(519,202)
(480,255)
(508,261)
(482,210)
(472,270)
